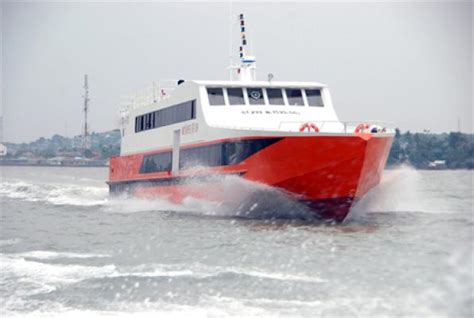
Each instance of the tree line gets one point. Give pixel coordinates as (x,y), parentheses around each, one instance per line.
(419,149)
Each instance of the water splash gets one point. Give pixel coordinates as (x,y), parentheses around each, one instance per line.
(399,191)
(244,199)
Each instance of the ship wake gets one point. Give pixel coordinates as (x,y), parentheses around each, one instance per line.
(398,192)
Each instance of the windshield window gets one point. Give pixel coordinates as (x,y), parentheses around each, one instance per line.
(255,96)
(216,97)
(275,96)
(314,97)
(236,96)
(295,97)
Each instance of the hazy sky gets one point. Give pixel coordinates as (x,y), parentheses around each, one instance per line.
(407,63)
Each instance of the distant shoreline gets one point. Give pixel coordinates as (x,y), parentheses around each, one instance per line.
(53,166)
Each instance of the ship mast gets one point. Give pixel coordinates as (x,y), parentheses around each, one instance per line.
(246,70)
(86,141)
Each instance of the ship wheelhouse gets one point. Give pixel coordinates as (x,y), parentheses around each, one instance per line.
(200,108)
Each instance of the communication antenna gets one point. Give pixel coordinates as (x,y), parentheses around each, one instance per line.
(86,141)
(1,129)
(230,38)
(246,70)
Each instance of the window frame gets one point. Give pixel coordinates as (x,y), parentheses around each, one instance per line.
(170,115)
(320,94)
(288,98)
(223,95)
(243,90)
(260,99)
(282,91)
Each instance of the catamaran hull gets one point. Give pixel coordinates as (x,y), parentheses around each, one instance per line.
(327,173)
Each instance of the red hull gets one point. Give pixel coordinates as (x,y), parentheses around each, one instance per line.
(328,173)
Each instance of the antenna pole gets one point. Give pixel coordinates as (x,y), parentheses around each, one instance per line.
(86,143)
(230,39)
(246,69)
(247,66)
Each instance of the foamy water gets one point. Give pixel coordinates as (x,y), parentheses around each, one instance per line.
(67,249)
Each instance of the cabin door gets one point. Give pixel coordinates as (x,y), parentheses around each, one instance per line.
(176,142)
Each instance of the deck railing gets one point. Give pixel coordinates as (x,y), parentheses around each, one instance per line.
(150,94)
(340,126)
(347,127)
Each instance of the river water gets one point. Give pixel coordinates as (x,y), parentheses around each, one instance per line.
(67,249)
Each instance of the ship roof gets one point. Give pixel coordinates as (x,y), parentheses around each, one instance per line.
(259,83)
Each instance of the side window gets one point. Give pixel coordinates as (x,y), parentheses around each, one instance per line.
(156,163)
(216,97)
(148,121)
(236,96)
(295,97)
(156,122)
(275,96)
(137,120)
(314,97)
(255,96)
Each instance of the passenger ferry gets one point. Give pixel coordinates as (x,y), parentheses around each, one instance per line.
(176,140)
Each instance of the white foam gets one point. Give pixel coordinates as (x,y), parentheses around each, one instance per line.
(54,193)
(149,309)
(199,270)
(56,255)
(243,198)
(132,205)
(38,277)
(9,242)
(401,190)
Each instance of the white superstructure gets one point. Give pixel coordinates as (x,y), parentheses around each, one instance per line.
(209,110)
(225,109)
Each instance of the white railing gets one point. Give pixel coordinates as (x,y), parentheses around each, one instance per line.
(150,94)
(346,127)
(340,126)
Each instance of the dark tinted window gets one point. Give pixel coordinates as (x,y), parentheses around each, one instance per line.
(275,96)
(166,116)
(227,153)
(137,123)
(148,121)
(222,154)
(216,96)
(236,96)
(156,163)
(314,97)
(295,97)
(208,156)
(255,96)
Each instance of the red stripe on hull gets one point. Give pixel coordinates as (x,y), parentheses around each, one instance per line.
(327,172)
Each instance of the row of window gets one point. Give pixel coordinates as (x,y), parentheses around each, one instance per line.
(221,154)
(167,116)
(255,96)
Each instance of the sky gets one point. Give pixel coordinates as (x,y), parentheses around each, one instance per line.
(409,63)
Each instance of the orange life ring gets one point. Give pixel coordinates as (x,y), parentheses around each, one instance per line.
(361,127)
(308,126)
